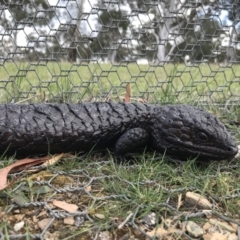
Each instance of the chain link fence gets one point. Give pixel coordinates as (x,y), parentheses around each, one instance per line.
(172,51)
(72,51)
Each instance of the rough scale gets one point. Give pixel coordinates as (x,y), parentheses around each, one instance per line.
(180,130)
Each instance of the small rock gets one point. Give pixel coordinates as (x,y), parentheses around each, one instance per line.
(19,217)
(194,230)
(195,199)
(51,236)
(18,226)
(69,220)
(79,220)
(43,223)
(105,235)
(159,232)
(44,212)
(150,219)
(34,218)
(137,232)
(238,154)
(88,188)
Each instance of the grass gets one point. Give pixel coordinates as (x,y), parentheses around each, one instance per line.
(64,82)
(107,194)
(153,184)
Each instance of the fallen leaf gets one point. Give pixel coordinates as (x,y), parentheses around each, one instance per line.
(55,159)
(17,166)
(24,164)
(99,215)
(65,206)
(180,202)
(128,93)
(142,100)
(223,225)
(215,236)
(52,160)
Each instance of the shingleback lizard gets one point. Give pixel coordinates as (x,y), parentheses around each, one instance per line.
(178,130)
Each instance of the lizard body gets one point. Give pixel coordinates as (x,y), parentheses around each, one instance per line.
(180,130)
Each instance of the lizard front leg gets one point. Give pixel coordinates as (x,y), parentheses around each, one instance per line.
(130,140)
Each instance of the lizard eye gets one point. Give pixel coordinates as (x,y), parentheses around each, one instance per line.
(202,136)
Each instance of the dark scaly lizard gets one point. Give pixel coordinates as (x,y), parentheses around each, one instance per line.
(180,130)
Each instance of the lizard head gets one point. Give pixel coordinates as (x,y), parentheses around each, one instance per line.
(189,132)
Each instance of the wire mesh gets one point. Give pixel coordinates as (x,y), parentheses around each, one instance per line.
(73,51)
(172,51)
(87,188)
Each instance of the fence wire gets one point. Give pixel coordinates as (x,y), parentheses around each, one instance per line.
(81,50)
(87,188)
(172,51)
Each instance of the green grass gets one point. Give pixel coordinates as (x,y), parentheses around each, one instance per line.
(64,82)
(153,184)
(109,192)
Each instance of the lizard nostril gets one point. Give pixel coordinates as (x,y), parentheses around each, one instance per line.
(232,150)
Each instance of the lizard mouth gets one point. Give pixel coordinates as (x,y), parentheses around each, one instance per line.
(221,153)
(207,152)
